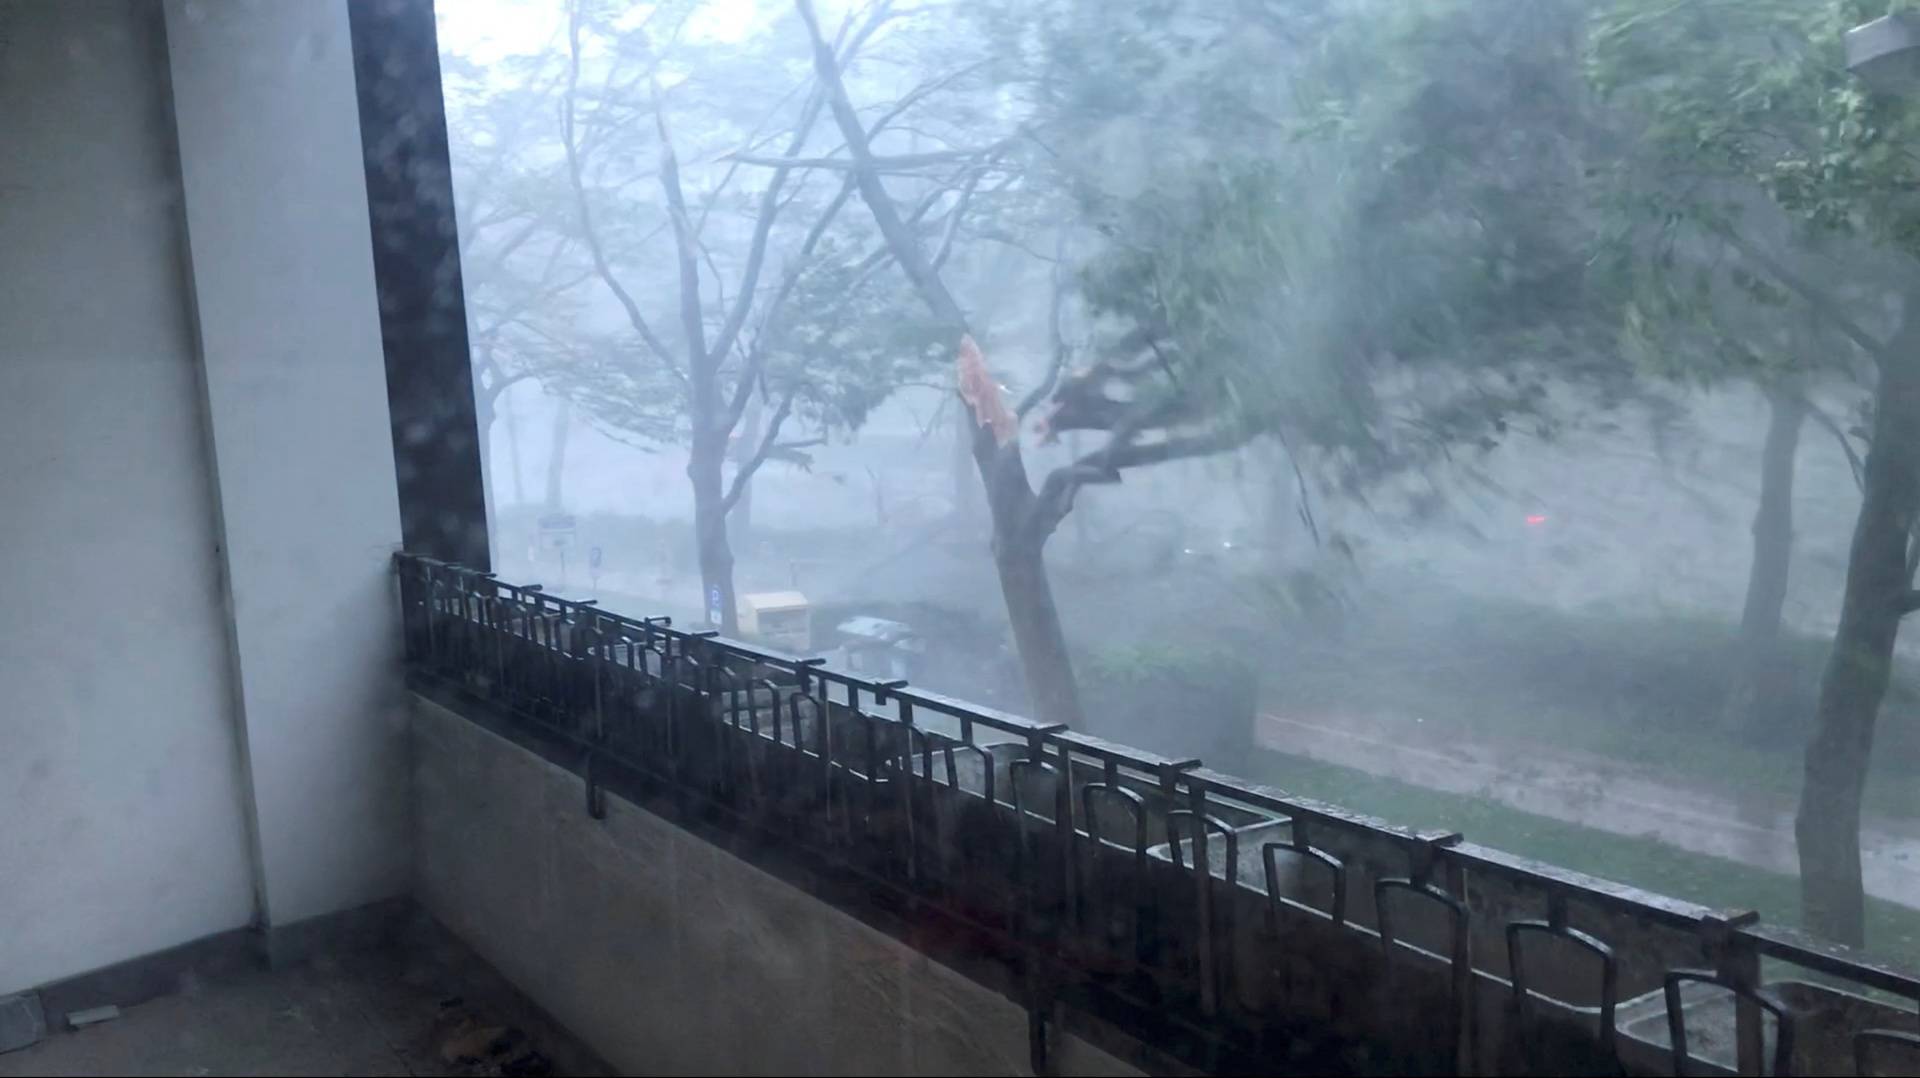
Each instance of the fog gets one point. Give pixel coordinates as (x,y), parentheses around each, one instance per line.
(1488,414)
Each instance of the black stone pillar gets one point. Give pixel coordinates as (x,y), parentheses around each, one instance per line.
(416,262)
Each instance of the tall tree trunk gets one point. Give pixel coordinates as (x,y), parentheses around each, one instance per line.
(1019,545)
(1878,589)
(1082,542)
(1754,696)
(1045,663)
(710,534)
(740,520)
(557,455)
(967,507)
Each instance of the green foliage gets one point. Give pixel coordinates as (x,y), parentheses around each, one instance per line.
(1375,242)
(1761,193)
(1759,90)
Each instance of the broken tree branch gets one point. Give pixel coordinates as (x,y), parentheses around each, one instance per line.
(1105,465)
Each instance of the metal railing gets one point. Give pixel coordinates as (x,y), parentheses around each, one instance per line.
(1225,923)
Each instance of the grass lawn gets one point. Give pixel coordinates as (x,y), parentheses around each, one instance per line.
(1893,931)
(1641,690)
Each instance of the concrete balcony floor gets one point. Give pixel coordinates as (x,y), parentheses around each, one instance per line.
(382,1011)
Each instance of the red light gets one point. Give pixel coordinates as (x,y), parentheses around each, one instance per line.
(1534,520)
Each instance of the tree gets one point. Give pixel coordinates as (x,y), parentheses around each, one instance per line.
(1693,237)
(1698,315)
(521,275)
(1230,304)
(1754,95)
(775,301)
(1407,247)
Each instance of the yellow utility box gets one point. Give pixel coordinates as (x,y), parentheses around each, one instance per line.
(779,619)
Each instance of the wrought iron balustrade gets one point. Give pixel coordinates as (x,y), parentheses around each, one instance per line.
(1229,924)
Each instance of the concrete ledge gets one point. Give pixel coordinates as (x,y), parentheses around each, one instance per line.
(161,973)
(397,1008)
(668,953)
(363,928)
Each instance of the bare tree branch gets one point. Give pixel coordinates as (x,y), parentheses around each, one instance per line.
(954,217)
(754,141)
(917,94)
(692,318)
(1055,335)
(770,204)
(496,319)
(1009,489)
(757,356)
(567,108)
(878,258)
(499,256)
(719,284)
(906,162)
(1828,424)
(763,229)
(882,13)
(1181,447)
(1913,551)
(886,119)
(1823,304)
(744,474)
(1300,484)
(501,384)
(1001,236)
(1104,465)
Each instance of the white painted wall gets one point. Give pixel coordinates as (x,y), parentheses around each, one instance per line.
(201,716)
(282,265)
(120,801)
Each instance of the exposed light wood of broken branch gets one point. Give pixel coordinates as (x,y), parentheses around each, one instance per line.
(982,393)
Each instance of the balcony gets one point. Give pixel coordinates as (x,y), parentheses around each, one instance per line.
(639,842)
(663,835)
(280,795)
